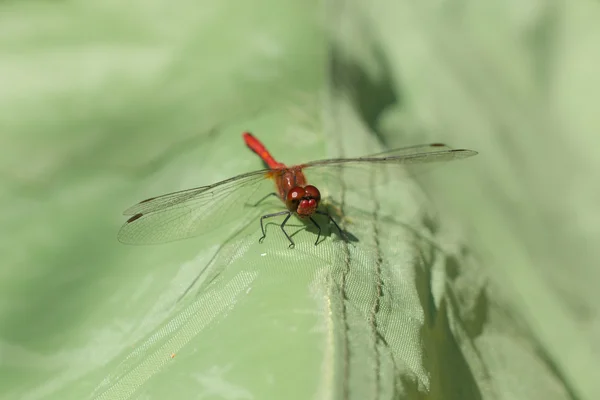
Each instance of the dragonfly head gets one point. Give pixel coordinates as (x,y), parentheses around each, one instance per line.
(304,201)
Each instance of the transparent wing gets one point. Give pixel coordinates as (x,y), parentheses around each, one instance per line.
(420,154)
(160,202)
(360,175)
(192,212)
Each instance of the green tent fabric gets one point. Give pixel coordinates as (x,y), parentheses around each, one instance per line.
(475,280)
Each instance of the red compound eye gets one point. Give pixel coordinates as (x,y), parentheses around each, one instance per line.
(294,195)
(312,192)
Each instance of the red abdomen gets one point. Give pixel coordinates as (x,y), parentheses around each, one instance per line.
(256,146)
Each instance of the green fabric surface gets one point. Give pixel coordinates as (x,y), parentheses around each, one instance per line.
(476,279)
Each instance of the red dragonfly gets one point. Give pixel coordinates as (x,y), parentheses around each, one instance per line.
(193,212)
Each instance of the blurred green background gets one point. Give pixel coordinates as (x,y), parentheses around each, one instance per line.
(480,283)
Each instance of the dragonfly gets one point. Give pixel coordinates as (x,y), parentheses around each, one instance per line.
(194,212)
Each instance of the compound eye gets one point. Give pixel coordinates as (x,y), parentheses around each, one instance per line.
(294,195)
(312,192)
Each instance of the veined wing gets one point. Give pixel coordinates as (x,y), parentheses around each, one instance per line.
(361,174)
(420,154)
(192,212)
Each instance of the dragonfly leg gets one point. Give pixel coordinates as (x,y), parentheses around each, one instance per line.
(292,245)
(261,200)
(319,228)
(333,220)
(262,227)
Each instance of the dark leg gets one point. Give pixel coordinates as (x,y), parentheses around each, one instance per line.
(262,228)
(335,223)
(284,232)
(261,200)
(318,227)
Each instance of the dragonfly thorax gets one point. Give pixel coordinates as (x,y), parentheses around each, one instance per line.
(303,200)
